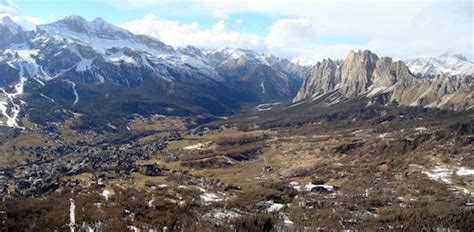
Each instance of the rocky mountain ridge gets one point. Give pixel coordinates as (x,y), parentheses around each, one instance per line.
(447,63)
(100,57)
(363,73)
(104,72)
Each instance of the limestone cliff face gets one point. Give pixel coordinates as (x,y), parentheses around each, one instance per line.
(448,92)
(362,73)
(323,78)
(356,73)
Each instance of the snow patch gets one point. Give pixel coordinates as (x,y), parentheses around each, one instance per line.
(133,228)
(73,85)
(8,99)
(421,129)
(274,207)
(311,186)
(295,104)
(286,220)
(444,174)
(120,57)
(267,106)
(207,197)
(84,65)
(51,99)
(72,214)
(462,171)
(441,174)
(383,135)
(220,216)
(197,63)
(296,186)
(106,194)
(197,146)
(150,202)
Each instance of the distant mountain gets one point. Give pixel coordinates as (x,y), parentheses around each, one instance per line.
(304,61)
(447,63)
(382,80)
(107,74)
(95,68)
(8,28)
(11,25)
(264,76)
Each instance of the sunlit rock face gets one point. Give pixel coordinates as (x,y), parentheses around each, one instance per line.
(362,73)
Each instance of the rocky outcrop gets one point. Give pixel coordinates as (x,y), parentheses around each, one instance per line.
(362,73)
(356,73)
(448,92)
(323,78)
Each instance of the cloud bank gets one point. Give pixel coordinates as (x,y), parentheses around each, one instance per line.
(307,30)
(9,9)
(312,30)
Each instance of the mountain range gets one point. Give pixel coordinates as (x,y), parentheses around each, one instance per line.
(100,69)
(383,80)
(448,63)
(106,74)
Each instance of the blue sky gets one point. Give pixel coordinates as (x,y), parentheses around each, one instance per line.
(52,10)
(304,30)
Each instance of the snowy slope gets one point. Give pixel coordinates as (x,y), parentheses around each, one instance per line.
(77,47)
(447,63)
(10,24)
(101,35)
(95,52)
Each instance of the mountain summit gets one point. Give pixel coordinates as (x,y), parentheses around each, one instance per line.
(447,63)
(99,66)
(364,74)
(11,25)
(105,72)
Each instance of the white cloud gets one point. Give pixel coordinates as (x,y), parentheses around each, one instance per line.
(239,20)
(402,28)
(179,34)
(313,53)
(302,28)
(8,8)
(291,33)
(286,37)
(144,3)
(221,14)
(33,20)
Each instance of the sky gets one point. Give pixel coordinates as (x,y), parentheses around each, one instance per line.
(301,30)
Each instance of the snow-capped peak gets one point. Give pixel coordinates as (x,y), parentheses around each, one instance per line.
(303,61)
(12,26)
(101,35)
(77,24)
(235,54)
(192,51)
(447,63)
(453,56)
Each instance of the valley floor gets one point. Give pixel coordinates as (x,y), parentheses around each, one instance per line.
(376,168)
